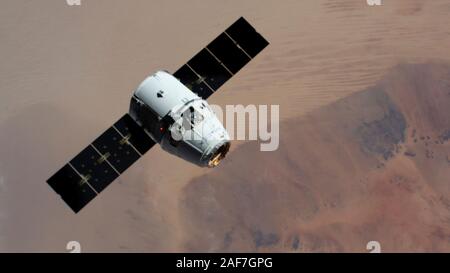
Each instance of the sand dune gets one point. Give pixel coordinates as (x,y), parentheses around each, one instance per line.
(67,73)
(372,166)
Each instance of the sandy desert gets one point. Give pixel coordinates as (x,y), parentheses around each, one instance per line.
(364,95)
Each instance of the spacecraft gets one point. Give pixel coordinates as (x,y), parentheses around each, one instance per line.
(167,109)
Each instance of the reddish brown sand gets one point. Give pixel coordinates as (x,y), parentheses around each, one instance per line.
(372,166)
(67,73)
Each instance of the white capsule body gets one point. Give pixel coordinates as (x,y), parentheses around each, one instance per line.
(179,120)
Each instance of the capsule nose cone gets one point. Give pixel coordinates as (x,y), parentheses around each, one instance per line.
(219,154)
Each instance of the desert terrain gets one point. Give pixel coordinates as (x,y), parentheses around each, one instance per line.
(366,167)
(364,95)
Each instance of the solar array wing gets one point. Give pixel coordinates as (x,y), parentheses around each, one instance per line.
(100,163)
(221,59)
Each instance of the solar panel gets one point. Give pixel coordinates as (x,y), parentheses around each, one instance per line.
(137,137)
(95,168)
(70,185)
(100,163)
(193,82)
(208,67)
(246,37)
(221,59)
(226,50)
(114,146)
